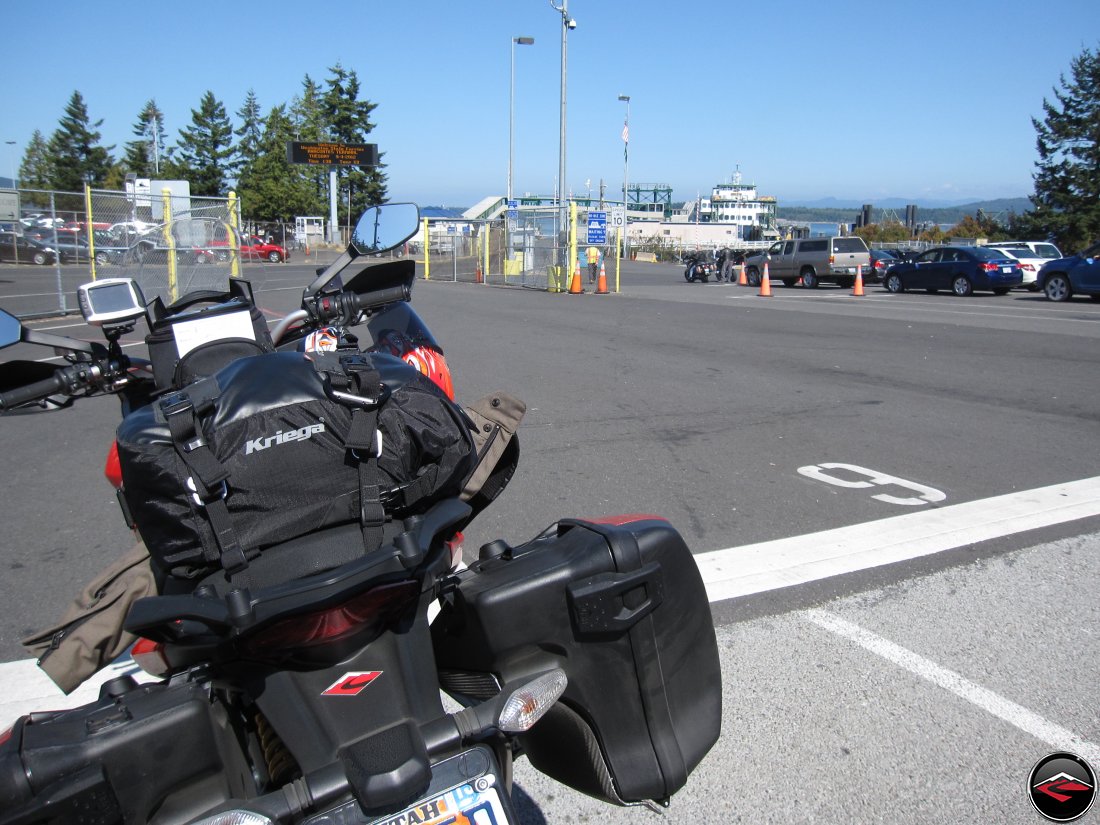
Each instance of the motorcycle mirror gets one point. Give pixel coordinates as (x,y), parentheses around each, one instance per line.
(11,331)
(380,228)
(384,227)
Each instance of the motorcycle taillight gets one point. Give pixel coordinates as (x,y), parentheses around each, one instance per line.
(149,656)
(363,617)
(113,468)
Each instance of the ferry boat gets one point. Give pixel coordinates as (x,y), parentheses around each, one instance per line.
(739,203)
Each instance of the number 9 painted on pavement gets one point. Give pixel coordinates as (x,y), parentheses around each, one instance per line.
(927,495)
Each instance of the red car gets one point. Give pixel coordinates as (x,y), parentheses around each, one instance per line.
(253,248)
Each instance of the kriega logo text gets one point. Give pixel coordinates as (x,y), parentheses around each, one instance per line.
(265,441)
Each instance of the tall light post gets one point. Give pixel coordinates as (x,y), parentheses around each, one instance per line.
(11,143)
(522,41)
(626,168)
(567,25)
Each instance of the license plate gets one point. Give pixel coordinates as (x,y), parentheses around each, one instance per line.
(1007,270)
(476,802)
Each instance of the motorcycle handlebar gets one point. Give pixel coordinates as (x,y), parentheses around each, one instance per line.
(74,379)
(342,307)
(32,392)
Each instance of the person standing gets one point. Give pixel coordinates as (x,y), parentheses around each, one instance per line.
(593,256)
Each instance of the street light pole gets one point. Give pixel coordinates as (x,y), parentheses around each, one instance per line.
(567,24)
(11,143)
(523,41)
(626,168)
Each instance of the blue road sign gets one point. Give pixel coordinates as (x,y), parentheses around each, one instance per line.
(597,227)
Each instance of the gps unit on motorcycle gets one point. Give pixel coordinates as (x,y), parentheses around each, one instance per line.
(110,301)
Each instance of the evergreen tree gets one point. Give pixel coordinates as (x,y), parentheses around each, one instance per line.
(143,155)
(206,147)
(250,134)
(308,117)
(36,170)
(77,157)
(1067,183)
(307,114)
(347,119)
(271,188)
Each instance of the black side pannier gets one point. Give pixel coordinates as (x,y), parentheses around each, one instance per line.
(623,611)
(134,755)
(276,449)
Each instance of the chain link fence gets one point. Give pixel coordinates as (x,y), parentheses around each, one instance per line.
(170,244)
(454,249)
(540,250)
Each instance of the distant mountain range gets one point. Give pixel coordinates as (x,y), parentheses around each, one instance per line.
(833,210)
(999,204)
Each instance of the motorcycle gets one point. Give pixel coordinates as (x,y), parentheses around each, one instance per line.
(698,267)
(299,681)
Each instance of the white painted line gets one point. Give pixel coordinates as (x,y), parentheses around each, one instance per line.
(1031,723)
(26,688)
(756,568)
(740,571)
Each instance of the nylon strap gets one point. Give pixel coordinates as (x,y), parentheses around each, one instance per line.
(207,474)
(365,381)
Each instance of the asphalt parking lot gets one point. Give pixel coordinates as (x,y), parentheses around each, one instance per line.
(917,689)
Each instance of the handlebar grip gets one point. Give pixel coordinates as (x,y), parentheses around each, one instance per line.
(32,392)
(381,297)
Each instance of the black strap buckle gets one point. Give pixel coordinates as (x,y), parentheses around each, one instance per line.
(175,404)
(220,491)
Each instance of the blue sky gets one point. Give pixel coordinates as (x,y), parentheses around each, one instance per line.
(852,99)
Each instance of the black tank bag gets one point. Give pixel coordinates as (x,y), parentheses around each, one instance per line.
(202,332)
(288,463)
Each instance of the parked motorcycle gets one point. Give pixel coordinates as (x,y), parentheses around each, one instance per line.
(698,266)
(300,499)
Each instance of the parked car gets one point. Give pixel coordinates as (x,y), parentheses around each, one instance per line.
(127,232)
(148,252)
(108,250)
(961,269)
(1041,249)
(73,248)
(1030,263)
(25,250)
(881,261)
(812,259)
(253,248)
(1061,279)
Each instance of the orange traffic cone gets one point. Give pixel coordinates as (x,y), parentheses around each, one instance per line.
(857,290)
(601,284)
(479,278)
(765,283)
(575,287)
(742,279)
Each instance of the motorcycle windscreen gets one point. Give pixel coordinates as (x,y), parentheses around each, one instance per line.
(399,331)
